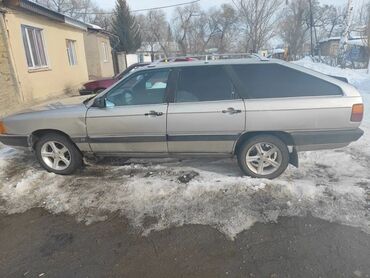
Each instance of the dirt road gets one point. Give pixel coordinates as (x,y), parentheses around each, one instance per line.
(39,244)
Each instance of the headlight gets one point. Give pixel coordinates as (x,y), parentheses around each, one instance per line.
(2,128)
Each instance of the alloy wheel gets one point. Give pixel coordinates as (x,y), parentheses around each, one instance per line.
(263,158)
(55,155)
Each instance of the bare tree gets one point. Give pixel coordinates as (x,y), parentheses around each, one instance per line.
(293,27)
(258,18)
(332,21)
(155,32)
(225,20)
(83,10)
(182,21)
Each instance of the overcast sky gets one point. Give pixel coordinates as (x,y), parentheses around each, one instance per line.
(144,4)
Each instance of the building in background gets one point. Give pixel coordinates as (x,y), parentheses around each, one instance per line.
(357,54)
(98,52)
(42,53)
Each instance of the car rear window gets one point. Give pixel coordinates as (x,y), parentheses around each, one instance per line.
(276,81)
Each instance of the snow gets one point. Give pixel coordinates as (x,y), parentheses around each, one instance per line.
(333,185)
(94,26)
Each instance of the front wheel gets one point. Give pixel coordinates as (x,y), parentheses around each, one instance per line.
(58,154)
(263,156)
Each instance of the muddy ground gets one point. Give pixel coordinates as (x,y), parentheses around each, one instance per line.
(39,244)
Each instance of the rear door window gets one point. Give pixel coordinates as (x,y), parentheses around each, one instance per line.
(276,81)
(205,83)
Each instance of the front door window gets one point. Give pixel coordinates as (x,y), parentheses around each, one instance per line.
(148,87)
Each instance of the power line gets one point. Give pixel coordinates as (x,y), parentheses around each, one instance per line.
(149,9)
(166,7)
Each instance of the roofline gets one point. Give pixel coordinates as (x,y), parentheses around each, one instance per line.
(46,12)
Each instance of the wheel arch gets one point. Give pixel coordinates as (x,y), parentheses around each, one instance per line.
(283,136)
(37,134)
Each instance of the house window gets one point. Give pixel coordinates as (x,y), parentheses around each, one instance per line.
(71,52)
(105,52)
(34,46)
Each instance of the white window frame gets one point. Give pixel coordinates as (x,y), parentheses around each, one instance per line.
(105,52)
(28,48)
(71,52)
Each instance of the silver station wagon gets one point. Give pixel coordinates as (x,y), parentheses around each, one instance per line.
(261,111)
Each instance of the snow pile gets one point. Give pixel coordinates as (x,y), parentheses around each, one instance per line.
(332,185)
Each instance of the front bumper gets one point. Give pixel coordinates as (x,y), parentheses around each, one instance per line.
(15,140)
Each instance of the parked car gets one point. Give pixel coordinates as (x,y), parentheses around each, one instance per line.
(261,111)
(97,86)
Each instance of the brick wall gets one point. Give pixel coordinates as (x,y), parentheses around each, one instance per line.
(9,91)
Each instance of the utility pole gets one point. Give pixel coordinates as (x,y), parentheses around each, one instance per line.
(311,28)
(345,35)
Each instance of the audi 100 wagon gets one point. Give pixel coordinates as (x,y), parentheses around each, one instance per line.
(261,111)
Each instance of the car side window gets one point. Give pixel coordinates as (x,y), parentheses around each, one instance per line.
(147,87)
(205,83)
(276,81)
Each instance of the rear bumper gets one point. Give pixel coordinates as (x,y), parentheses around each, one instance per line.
(84,92)
(14,140)
(326,139)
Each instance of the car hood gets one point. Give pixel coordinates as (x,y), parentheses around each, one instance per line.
(65,115)
(57,104)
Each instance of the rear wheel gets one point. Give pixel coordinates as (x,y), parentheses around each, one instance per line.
(57,154)
(263,156)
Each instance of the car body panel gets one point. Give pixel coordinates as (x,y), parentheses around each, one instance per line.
(193,128)
(127,129)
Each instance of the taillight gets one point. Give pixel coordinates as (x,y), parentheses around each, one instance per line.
(2,128)
(357,113)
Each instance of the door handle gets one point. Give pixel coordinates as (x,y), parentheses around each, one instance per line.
(231,111)
(153,113)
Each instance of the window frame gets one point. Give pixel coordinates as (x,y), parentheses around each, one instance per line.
(105,52)
(72,60)
(166,97)
(177,72)
(28,47)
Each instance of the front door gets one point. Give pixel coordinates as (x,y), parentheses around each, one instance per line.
(207,115)
(134,120)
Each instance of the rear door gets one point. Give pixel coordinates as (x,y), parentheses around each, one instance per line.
(206,115)
(134,120)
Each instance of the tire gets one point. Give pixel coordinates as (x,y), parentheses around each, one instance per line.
(268,157)
(57,154)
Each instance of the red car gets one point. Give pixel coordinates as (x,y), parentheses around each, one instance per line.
(97,86)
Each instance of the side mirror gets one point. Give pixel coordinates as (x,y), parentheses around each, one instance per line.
(99,102)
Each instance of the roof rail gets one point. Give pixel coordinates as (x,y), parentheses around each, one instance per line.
(211,57)
(224,56)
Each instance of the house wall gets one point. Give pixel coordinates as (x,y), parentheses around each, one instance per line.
(10,96)
(97,67)
(60,77)
(329,48)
